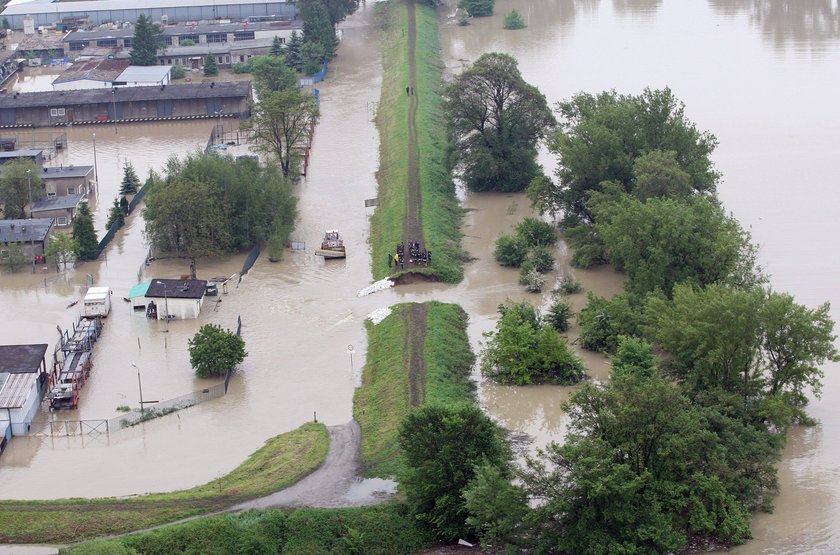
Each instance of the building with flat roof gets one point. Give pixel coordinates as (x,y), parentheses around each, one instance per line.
(90,74)
(60,181)
(31,236)
(36,156)
(50,12)
(143,76)
(176,299)
(23,379)
(63,209)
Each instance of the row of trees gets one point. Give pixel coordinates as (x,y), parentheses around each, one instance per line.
(209,205)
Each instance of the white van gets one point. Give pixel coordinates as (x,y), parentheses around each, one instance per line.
(97,302)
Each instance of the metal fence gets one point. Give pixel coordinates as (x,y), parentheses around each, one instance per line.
(116,226)
(249,262)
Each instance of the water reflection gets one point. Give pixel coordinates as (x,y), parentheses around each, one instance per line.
(644,8)
(804,25)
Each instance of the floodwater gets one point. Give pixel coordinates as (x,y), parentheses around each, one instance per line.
(762,75)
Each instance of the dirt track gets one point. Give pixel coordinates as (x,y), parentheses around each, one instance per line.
(414,318)
(413,224)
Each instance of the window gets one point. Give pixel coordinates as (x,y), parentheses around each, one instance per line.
(167,40)
(106,42)
(53,112)
(241,59)
(71,190)
(61,220)
(51,194)
(282,40)
(227,59)
(128,42)
(61,112)
(77,45)
(220,59)
(183,38)
(243,35)
(217,37)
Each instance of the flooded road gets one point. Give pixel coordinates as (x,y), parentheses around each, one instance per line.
(762,75)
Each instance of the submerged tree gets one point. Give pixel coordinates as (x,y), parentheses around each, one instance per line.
(282,123)
(62,249)
(214,351)
(271,74)
(19,180)
(477,8)
(83,232)
(148,39)
(496,119)
(130,181)
(116,215)
(317,26)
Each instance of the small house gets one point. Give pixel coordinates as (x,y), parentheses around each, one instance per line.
(23,380)
(91,74)
(175,299)
(143,76)
(62,181)
(63,209)
(31,236)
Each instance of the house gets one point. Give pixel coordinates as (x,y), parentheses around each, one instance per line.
(63,209)
(23,380)
(32,236)
(143,76)
(176,299)
(36,156)
(61,181)
(92,74)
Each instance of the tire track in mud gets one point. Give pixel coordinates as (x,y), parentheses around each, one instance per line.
(414,320)
(413,224)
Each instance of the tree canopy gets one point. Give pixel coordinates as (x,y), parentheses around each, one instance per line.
(214,351)
(496,120)
(271,74)
(211,68)
(148,39)
(62,249)
(602,136)
(130,182)
(15,187)
(83,232)
(477,8)
(282,122)
(317,26)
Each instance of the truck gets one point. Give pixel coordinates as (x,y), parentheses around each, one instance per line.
(97,302)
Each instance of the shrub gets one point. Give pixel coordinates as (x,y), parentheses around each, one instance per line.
(533,280)
(559,314)
(178,72)
(244,67)
(536,232)
(214,351)
(514,21)
(604,320)
(496,506)
(542,259)
(570,286)
(510,250)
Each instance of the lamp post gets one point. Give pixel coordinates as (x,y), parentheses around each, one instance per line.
(221,132)
(166,302)
(140,385)
(31,224)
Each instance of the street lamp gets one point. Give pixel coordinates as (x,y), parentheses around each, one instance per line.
(31,224)
(139,384)
(165,301)
(221,131)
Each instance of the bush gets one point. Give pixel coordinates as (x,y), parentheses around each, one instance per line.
(510,250)
(495,505)
(536,232)
(241,68)
(542,259)
(559,314)
(533,280)
(477,8)
(514,21)
(570,286)
(178,72)
(604,320)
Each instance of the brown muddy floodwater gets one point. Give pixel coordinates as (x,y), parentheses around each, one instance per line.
(763,76)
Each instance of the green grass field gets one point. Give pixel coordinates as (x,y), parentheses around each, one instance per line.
(282,461)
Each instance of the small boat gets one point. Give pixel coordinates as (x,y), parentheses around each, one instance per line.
(332,246)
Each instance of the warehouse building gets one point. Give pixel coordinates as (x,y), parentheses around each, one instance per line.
(49,12)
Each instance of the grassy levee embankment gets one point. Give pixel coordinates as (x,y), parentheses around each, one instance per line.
(441,215)
(282,461)
(384,398)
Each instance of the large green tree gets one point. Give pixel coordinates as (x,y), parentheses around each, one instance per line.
(83,232)
(19,179)
(340,9)
(214,351)
(147,41)
(317,26)
(496,120)
(61,249)
(442,444)
(601,137)
(644,470)
(312,57)
(293,59)
(271,74)
(277,47)
(282,122)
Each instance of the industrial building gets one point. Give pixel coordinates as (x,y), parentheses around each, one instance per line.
(50,12)
(229,99)
(31,236)
(23,379)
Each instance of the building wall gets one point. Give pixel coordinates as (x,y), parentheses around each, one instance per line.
(22,417)
(67,213)
(181,309)
(58,186)
(30,249)
(236,12)
(81,84)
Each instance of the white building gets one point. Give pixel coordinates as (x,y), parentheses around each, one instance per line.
(108,73)
(22,381)
(176,299)
(143,76)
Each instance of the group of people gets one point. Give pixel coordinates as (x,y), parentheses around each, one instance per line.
(416,255)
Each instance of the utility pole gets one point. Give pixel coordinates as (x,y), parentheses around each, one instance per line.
(140,385)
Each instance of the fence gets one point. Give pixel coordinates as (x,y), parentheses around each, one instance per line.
(138,197)
(318,77)
(136,416)
(249,262)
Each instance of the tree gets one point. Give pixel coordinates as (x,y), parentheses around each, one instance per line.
(633,357)
(116,215)
(148,40)
(658,174)
(511,250)
(338,10)
(496,119)
(281,122)
(214,351)
(542,259)
(312,57)
(477,8)
(210,66)
(442,444)
(522,350)
(130,181)
(277,47)
(496,507)
(514,21)
(536,233)
(84,234)
(183,217)
(293,59)
(178,72)
(559,314)
(15,189)
(317,26)
(12,256)
(271,74)
(603,321)
(643,470)
(62,249)
(601,137)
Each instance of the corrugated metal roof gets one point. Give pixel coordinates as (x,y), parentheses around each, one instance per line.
(133,74)
(16,390)
(94,70)
(49,6)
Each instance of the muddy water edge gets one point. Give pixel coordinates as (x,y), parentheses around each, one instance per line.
(759,75)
